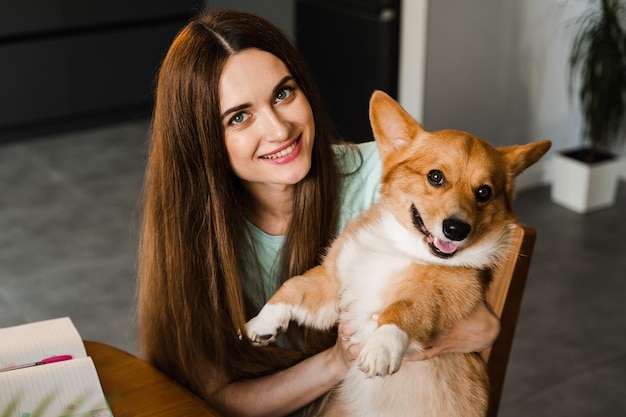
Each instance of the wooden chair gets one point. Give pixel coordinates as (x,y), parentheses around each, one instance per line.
(505,296)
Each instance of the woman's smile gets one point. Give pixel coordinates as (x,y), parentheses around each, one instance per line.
(285,154)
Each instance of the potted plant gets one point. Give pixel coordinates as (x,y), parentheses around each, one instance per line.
(598,58)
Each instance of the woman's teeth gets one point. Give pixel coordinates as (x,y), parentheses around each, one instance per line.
(282,153)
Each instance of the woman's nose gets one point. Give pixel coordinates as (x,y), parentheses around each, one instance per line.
(274,126)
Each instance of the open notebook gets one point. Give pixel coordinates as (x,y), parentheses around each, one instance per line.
(39,379)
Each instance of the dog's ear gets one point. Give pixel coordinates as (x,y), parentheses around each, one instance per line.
(520,157)
(392,126)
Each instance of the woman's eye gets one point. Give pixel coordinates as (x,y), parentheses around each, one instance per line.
(283,94)
(238,118)
(436,178)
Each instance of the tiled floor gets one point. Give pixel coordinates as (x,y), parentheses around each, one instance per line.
(68,230)
(68,234)
(569,353)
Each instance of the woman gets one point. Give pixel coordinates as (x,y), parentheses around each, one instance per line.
(244,189)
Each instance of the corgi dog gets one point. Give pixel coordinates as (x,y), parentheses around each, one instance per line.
(416,261)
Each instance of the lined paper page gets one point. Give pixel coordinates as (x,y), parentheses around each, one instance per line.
(68,389)
(33,342)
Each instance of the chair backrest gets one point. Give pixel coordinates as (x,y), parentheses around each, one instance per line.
(505,297)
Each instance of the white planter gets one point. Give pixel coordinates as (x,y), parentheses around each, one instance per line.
(583,187)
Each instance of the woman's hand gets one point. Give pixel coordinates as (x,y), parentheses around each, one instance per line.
(473,334)
(348,350)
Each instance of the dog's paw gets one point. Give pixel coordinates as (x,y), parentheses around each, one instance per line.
(383,352)
(271,320)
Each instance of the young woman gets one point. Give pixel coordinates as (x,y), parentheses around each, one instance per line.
(245,187)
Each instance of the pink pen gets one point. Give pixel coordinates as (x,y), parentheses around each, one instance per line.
(45,361)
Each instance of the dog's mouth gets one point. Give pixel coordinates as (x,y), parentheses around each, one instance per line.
(439,247)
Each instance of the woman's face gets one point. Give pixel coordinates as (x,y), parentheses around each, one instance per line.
(268,122)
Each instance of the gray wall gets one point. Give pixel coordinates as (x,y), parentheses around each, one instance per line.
(471,72)
(498,68)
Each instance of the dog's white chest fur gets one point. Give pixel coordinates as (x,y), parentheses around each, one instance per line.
(368,263)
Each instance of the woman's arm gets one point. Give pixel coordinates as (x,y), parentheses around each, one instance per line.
(289,390)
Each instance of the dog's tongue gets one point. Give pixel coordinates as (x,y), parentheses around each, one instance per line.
(445,246)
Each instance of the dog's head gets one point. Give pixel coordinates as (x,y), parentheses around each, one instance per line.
(452,189)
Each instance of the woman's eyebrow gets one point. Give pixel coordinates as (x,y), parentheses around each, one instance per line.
(235,109)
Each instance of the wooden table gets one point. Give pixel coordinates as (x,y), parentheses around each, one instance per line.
(136,389)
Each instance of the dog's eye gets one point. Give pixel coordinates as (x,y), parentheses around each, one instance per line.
(483,193)
(436,178)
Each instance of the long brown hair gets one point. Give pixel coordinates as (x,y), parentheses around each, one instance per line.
(190,300)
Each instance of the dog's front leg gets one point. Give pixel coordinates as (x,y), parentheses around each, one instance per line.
(410,319)
(401,322)
(310,300)
(383,352)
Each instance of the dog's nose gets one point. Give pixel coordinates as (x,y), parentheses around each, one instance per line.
(455,229)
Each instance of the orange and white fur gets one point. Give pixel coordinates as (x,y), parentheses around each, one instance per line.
(416,261)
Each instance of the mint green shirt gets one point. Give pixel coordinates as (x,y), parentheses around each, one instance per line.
(359,192)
